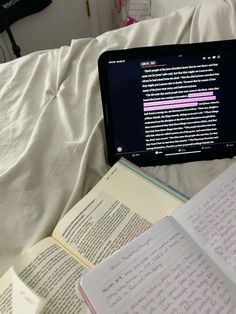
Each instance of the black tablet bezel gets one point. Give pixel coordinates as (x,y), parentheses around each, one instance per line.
(153,51)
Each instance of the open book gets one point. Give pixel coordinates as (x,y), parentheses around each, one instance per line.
(124,204)
(186,263)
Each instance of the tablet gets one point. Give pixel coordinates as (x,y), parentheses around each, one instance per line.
(169,104)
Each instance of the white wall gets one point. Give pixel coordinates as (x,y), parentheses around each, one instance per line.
(58,24)
(105,15)
(53,27)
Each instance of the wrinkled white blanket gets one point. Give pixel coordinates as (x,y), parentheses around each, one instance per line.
(52,148)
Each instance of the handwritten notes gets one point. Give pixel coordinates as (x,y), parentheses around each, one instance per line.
(213,218)
(164,272)
(186,263)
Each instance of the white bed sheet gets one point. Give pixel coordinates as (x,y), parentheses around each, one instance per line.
(164,7)
(52,148)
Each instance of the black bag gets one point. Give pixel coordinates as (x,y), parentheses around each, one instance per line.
(17,9)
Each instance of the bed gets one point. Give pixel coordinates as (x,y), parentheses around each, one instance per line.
(52,145)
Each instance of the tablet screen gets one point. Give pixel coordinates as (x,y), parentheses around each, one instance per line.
(170,104)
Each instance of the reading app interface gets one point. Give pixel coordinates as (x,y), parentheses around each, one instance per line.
(172,105)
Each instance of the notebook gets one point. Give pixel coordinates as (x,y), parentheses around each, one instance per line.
(170,103)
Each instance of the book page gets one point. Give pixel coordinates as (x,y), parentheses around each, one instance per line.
(6,293)
(210,218)
(102,228)
(121,206)
(50,272)
(161,271)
